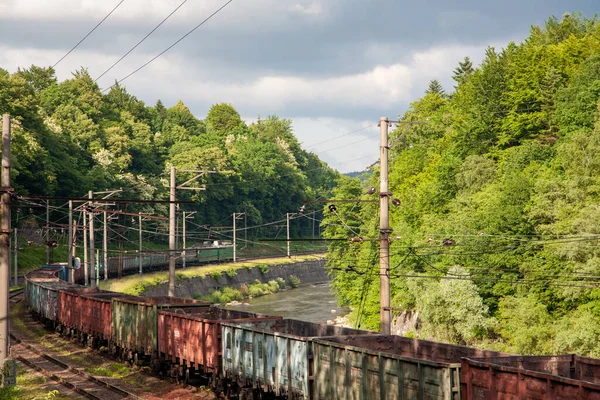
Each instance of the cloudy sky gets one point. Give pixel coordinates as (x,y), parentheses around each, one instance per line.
(333,66)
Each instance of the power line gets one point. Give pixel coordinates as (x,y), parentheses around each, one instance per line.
(345,134)
(141,41)
(171,46)
(89,33)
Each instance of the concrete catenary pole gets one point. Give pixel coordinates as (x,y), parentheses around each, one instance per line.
(384,229)
(86,270)
(47,231)
(5,231)
(183,240)
(287,217)
(172,234)
(70,245)
(140,252)
(234,239)
(94,282)
(16,278)
(105,246)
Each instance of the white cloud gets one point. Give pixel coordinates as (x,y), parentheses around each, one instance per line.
(387,88)
(312,8)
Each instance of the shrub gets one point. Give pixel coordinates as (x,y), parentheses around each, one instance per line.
(232,273)
(280,282)
(216,275)
(244,289)
(273,286)
(264,269)
(294,281)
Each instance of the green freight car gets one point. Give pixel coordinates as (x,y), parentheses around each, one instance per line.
(135,321)
(380,367)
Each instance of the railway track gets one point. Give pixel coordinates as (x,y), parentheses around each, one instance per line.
(74,379)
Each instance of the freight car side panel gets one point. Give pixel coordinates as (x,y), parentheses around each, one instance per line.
(135,322)
(48,298)
(345,373)
(97,313)
(71,308)
(274,354)
(484,380)
(193,337)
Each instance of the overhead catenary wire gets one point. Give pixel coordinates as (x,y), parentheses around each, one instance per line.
(141,41)
(88,34)
(170,47)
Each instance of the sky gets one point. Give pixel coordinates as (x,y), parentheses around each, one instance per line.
(333,67)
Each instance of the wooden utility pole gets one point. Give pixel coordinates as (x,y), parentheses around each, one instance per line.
(384,230)
(16,278)
(94,282)
(173,219)
(86,266)
(47,232)
(140,251)
(105,246)
(172,234)
(70,245)
(287,217)
(5,232)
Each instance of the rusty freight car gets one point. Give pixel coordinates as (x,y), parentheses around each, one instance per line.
(193,338)
(135,321)
(529,377)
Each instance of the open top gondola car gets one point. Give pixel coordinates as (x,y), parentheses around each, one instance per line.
(274,356)
(135,321)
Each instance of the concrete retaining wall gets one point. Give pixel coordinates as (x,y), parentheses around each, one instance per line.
(307,271)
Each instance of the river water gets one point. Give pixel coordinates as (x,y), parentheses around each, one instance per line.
(313,303)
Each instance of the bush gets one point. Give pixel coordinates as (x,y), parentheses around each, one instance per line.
(280,282)
(244,289)
(294,281)
(264,269)
(273,286)
(216,275)
(232,273)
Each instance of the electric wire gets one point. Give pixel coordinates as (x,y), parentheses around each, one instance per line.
(89,33)
(141,41)
(170,47)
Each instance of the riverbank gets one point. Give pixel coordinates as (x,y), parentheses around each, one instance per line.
(201,281)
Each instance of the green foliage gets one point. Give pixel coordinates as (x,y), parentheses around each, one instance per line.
(294,281)
(263,268)
(499,197)
(69,135)
(231,273)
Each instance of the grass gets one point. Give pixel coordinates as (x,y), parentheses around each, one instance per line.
(136,285)
(30,386)
(114,370)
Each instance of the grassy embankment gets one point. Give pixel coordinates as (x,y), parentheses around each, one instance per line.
(137,285)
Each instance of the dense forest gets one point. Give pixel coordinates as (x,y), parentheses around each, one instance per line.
(496,239)
(70,137)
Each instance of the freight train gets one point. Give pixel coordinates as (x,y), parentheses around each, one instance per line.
(252,356)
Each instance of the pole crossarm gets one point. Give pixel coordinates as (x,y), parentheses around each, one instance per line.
(99,210)
(199,174)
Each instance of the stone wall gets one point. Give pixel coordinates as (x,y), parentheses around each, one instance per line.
(308,272)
